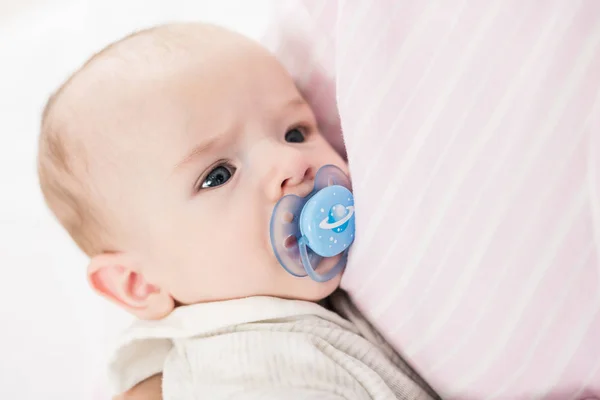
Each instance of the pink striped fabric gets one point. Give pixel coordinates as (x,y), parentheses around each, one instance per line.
(472,131)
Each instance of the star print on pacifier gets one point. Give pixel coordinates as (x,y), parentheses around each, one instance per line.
(311,235)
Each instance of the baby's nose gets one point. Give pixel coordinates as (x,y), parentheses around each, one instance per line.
(290,173)
(295,171)
(282,169)
(293,176)
(299,180)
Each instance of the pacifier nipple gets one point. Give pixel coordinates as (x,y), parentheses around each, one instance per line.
(306,231)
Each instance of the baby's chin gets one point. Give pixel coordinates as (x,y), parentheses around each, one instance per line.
(285,285)
(309,290)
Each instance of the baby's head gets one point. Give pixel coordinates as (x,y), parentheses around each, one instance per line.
(163,157)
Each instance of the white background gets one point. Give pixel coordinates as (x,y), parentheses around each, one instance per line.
(54,331)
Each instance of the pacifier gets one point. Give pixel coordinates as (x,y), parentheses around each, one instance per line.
(306,231)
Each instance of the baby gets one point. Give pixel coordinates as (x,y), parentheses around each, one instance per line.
(163,157)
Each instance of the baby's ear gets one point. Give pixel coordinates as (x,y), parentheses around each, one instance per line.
(117,277)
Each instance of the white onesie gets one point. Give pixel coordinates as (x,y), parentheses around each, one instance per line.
(265,348)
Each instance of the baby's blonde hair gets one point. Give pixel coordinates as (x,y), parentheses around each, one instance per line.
(62,166)
(61,171)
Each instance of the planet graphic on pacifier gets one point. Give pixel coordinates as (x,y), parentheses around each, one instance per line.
(327,221)
(338,218)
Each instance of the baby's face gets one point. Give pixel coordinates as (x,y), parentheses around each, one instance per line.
(200,149)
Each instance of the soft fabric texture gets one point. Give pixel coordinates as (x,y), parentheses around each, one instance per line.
(471,129)
(264,348)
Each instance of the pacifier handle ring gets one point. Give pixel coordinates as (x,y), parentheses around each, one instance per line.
(309,268)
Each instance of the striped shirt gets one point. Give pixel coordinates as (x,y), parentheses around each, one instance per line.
(265,348)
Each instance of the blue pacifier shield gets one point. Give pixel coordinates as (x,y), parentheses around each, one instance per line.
(306,231)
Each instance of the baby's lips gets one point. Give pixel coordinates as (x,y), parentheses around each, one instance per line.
(291,246)
(285,231)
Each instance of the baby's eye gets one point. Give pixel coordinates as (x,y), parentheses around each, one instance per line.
(218,176)
(295,135)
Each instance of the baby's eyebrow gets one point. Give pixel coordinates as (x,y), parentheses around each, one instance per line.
(297,101)
(198,150)
(203,147)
